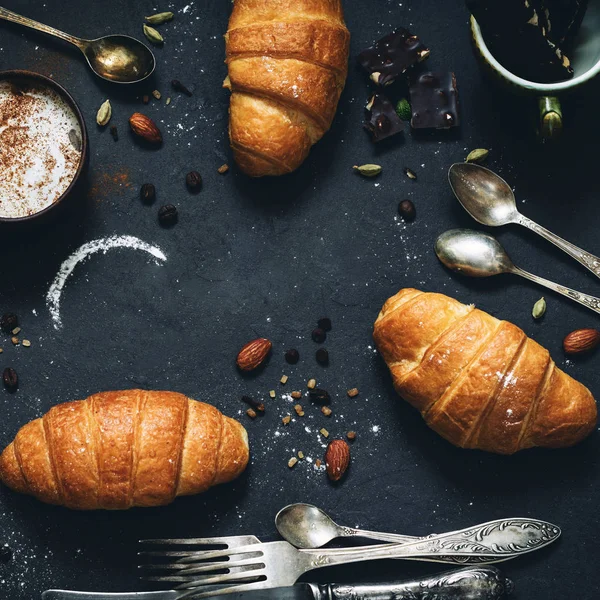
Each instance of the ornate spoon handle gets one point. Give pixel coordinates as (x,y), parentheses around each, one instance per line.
(588,260)
(396,538)
(491,541)
(590,302)
(8,15)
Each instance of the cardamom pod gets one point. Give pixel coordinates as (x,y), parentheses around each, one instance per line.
(104,114)
(159,18)
(368,170)
(539,308)
(403,109)
(478,155)
(153,35)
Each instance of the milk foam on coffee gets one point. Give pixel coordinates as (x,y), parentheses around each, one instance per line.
(40,148)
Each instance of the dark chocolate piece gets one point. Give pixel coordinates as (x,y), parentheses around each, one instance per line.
(382,120)
(392,55)
(518,34)
(434,100)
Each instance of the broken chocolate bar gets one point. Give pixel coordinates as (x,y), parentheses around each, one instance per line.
(392,55)
(434,100)
(382,119)
(518,34)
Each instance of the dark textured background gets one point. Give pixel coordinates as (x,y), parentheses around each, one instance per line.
(268,258)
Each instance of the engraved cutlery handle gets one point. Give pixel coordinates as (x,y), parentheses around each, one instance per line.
(473,583)
(588,260)
(492,541)
(396,538)
(8,15)
(588,301)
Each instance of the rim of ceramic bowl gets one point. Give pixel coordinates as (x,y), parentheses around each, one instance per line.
(533,86)
(62,92)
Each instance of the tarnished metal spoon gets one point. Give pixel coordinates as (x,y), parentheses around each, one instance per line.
(478,254)
(117,58)
(306,526)
(490,201)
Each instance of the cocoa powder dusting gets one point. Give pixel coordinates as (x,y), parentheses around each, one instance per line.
(37,159)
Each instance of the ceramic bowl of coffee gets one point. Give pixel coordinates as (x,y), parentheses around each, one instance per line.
(584,55)
(43,146)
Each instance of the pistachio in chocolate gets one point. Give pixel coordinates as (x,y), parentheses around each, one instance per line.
(382,121)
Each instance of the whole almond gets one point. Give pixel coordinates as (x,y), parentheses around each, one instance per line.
(581,340)
(253,354)
(337,459)
(145,128)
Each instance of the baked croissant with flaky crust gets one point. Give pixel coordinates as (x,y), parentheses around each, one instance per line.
(116,450)
(477,381)
(287,65)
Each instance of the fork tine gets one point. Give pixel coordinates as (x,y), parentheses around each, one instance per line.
(227,578)
(197,581)
(179,566)
(204,567)
(230,541)
(199,555)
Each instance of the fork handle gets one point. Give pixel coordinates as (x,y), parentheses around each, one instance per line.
(473,583)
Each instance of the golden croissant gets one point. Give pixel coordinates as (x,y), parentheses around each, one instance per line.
(116,450)
(287,65)
(479,382)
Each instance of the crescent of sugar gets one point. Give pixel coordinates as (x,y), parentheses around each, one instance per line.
(53,296)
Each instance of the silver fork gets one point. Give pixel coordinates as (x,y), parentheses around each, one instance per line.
(247,563)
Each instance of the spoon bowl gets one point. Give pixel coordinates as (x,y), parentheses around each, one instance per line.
(116,58)
(119,58)
(478,254)
(472,253)
(306,526)
(483,194)
(490,201)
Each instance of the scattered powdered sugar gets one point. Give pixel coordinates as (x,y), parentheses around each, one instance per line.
(40,148)
(53,296)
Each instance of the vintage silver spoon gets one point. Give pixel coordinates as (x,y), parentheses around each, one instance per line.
(490,201)
(117,58)
(306,526)
(478,254)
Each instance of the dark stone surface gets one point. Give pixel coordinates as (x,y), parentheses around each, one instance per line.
(269,258)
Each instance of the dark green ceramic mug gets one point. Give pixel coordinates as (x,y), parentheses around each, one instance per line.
(585,59)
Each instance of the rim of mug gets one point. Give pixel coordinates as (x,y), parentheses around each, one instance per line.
(534,86)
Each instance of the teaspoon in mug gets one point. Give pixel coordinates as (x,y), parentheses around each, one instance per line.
(478,254)
(117,58)
(490,201)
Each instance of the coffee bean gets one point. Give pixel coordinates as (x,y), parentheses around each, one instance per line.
(193,181)
(148,193)
(324,323)
(319,335)
(322,356)
(292,356)
(10,379)
(407,210)
(167,215)
(8,322)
